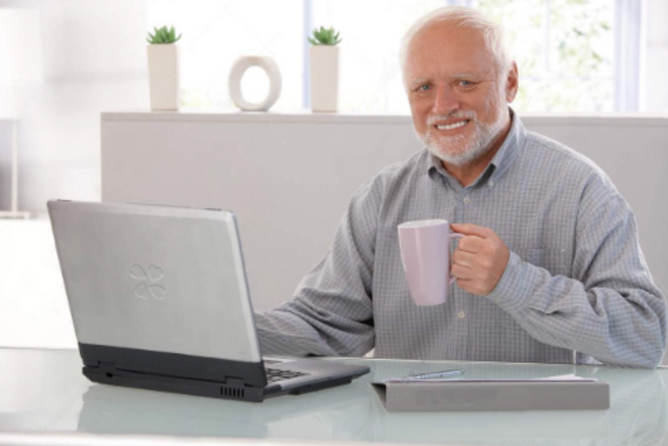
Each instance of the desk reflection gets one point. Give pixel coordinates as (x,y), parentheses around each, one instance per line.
(353,412)
(333,414)
(637,415)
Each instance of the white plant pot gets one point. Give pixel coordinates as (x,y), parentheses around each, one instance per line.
(164,76)
(324,78)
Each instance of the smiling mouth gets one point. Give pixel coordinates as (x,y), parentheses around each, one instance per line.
(454,126)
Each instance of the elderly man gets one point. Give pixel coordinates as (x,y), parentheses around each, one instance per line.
(549,268)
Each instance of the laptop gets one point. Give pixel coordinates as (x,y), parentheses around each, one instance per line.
(160,301)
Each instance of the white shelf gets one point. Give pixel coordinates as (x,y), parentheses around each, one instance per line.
(203,115)
(306,116)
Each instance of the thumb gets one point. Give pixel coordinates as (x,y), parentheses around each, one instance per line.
(470,229)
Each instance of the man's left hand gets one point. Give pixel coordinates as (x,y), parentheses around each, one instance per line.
(479,260)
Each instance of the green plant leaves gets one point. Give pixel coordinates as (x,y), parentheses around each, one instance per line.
(162,36)
(325,36)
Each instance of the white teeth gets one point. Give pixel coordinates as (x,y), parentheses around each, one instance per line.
(451,126)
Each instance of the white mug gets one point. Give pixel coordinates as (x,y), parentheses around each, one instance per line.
(425,255)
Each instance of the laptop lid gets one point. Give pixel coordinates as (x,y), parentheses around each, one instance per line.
(156,279)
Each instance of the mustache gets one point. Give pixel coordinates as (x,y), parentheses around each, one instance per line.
(433,119)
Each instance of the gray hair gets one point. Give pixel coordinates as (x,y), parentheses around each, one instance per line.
(493,33)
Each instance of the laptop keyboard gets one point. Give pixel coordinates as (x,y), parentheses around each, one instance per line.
(274,375)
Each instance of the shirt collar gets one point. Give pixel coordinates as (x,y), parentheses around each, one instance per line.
(500,163)
(508,151)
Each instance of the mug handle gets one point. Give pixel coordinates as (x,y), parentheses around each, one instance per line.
(454,235)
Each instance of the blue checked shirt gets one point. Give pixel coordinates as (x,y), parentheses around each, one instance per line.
(576,288)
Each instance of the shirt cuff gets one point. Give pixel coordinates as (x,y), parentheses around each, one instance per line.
(515,286)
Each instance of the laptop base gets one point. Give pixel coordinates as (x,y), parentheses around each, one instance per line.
(175,385)
(201,388)
(190,375)
(172,372)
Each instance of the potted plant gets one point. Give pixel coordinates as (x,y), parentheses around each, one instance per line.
(324,56)
(163,69)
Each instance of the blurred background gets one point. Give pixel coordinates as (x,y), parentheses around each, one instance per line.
(67,60)
(62,62)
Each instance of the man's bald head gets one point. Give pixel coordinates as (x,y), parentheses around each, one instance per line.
(492,33)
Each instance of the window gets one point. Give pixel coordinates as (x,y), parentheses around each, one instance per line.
(564,51)
(573,55)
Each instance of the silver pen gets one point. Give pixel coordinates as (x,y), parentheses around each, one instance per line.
(443,375)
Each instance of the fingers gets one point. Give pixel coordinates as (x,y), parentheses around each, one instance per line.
(471,243)
(480,259)
(471,229)
(474,278)
(472,286)
(475,236)
(479,263)
(461,272)
(472,269)
(463,259)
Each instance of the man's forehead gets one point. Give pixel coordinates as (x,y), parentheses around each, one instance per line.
(418,78)
(465,49)
(449,30)
(452,65)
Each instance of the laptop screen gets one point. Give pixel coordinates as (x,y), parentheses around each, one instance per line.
(156,278)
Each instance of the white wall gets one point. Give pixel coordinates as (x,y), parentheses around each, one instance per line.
(92,54)
(290,177)
(93,60)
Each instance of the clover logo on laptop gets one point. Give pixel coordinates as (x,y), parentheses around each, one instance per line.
(147,288)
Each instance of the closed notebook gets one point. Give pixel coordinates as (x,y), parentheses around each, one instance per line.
(557,393)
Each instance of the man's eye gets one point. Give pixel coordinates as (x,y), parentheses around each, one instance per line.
(464,83)
(424,87)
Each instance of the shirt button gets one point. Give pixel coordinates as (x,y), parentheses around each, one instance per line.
(491,183)
(466,199)
(461,315)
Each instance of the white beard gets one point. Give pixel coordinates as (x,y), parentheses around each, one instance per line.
(462,150)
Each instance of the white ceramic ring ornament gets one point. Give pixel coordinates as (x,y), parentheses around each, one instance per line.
(239,69)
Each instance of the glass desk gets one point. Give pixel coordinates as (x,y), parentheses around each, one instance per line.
(43,391)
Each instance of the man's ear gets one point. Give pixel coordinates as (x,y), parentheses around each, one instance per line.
(512,83)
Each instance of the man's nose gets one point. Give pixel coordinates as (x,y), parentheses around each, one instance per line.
(446,101)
